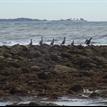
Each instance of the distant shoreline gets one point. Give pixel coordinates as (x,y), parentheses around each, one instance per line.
(51,20)
(30,19)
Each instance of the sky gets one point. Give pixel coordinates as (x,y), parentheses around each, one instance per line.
(92,10)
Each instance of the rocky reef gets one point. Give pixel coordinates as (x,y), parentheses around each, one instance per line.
(52,71)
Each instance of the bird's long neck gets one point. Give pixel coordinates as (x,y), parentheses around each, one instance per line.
(41,38)
(90,38)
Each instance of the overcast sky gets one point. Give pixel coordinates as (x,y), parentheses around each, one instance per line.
(54,9)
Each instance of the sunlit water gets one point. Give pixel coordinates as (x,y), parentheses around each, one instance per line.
(14,32)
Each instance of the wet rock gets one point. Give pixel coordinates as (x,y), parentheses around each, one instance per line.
(34,53)
(65,55)
(87,73)
(62,69)
(35,68)
(55,57)
(105,76)
(34,104)
(94,95)
(43,75)
(7,55)
(77,88)
(103,93)
(18,91)
(18,49)
(2,93)
(83,62)
(25,69)
(2,57)
(12,62)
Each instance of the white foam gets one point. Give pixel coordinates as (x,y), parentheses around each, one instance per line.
(4,103)
(79,102)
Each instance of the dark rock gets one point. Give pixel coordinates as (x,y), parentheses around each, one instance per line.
(55,57)
(18,91)
(34,104)
(58,70)
(35,68)
(62,69)
(36,54)
(2,93)
(94,95)
(86,73)
(43,75)
(77,88)
(105,77)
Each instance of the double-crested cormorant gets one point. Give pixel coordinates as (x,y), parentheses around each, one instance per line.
(63,42)
(88,41)
(52,42)
(72,44)
(31,43)
(41,41)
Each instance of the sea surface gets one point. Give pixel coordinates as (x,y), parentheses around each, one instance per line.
(66,101)
(20,32)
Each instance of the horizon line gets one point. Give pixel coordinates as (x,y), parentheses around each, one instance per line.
(52,19)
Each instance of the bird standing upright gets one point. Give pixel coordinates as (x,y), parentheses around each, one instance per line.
(52,42)
(72,44)
(88,41)
(41,41)
(31,43)
(63,42)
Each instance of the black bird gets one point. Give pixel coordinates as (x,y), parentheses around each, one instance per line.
(88,41)
(72,44)
(31,42)
(63,42)
(52,42)
(41,41)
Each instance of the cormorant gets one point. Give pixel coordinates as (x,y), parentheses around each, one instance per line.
(41,41)
(88,41)
(31,42)
(72,44)
(52,42)
(63,42)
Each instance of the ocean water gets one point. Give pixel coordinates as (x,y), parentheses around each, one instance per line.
(5,103)
(66,101)
(20,32)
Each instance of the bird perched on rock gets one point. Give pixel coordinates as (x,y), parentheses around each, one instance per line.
(31,43)
(88,41)
(41,41)
(72,44)
(52,42)
(63,42)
